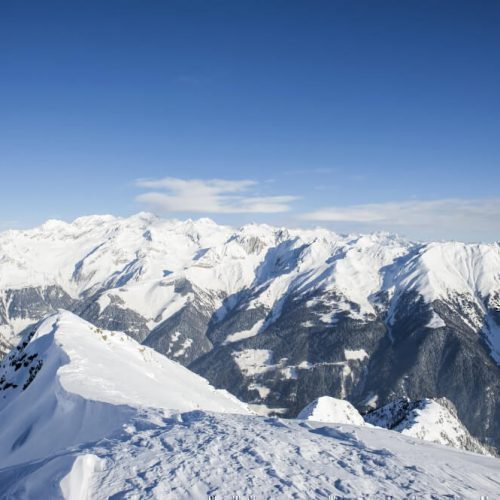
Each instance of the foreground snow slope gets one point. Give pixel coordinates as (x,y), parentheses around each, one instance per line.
(196,454)
(71,383)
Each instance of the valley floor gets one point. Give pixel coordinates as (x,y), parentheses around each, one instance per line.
(196,454)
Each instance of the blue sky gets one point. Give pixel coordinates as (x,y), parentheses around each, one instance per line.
(354,115)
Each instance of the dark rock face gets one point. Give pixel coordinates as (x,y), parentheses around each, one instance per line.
(307,356)
(451,361)
(184,335)
(404,358)
(19,368)
(31,304)
(35,302)
(115,316)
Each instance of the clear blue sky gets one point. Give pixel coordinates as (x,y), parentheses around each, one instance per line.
(355,115)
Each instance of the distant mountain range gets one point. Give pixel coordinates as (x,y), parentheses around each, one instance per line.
(278,317)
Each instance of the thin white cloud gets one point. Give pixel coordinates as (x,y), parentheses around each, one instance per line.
(221,196)
(455,218)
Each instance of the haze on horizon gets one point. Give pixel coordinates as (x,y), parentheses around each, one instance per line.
(357,116)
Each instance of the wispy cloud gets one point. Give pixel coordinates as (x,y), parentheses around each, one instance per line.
(450,217)
(172,194)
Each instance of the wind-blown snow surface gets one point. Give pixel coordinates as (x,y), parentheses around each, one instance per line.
(196,454)
(74,383)
(103,417)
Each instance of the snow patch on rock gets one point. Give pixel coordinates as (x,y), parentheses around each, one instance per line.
(436,321)
(356,354)
(253,361)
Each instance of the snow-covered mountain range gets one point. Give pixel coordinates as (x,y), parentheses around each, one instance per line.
(91,413)
(276,316)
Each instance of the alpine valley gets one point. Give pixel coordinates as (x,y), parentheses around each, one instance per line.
(277,317)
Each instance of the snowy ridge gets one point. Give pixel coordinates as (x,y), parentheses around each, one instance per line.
(106,252)
(80,383)
(440,268)
(427,419)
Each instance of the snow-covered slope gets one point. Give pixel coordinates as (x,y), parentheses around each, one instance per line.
(198,454)
(433,420)
(331,410)
(88,413)
(427,419)
(70,382)
(99,253)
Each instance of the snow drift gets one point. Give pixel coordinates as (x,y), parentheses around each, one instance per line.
(331,410)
